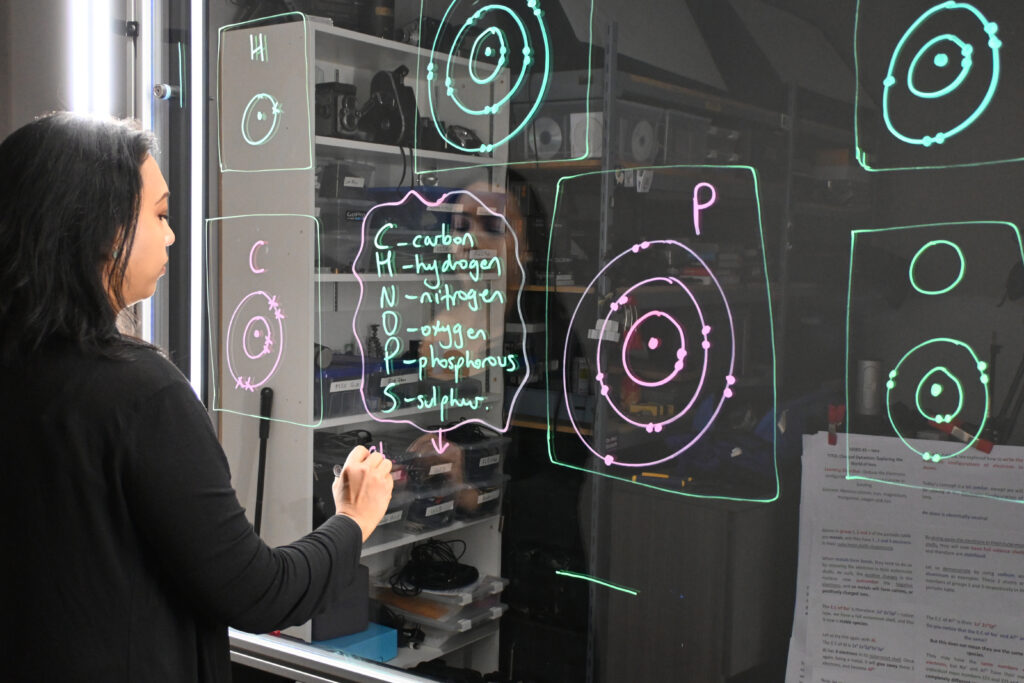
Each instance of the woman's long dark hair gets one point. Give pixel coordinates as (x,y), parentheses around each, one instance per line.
(70,188)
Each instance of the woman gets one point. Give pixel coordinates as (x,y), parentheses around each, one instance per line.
(127,553)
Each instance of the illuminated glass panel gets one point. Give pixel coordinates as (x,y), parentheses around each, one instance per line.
(263,336)
(485,85)
(655,322)
(935,90)
(937,397)
(264,105)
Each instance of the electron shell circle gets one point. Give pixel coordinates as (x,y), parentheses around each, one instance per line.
(955,280)
(677,366)
(260,119)
(479,45)
(944,51)
(653,344)
(933,386)
(254,341)
(942,347)
(257,339)
(494,43)
(620,263)
(941,60)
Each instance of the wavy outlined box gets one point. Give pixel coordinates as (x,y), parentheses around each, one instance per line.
(453,259)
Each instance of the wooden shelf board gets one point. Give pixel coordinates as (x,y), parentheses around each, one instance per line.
(568,289)
(565,428)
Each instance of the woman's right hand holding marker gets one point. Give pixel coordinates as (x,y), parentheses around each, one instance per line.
(362,490)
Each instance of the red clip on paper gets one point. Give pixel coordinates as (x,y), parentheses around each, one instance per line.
(956,430)
(835,418)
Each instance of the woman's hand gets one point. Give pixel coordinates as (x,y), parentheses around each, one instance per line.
(363,490)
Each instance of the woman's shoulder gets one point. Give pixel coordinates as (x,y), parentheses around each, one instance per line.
(99,385)
(130,373)
(147,368)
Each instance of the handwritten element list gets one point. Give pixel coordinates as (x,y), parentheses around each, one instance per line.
(435,272)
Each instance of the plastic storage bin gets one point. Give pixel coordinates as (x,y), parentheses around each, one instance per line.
(482,460)
(443,616)
(392,525)
(339,383)
(430,510)
(341,231)
(476,500)
(484,586)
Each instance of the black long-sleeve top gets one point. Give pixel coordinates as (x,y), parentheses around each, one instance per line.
(126,552)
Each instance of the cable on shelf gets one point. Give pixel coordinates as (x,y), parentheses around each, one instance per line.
(434,565)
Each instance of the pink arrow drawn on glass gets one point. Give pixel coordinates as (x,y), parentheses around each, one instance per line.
(439,444)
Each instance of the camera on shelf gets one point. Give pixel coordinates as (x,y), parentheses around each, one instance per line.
(337,110)
(429,138)
(389,116)
(465,138)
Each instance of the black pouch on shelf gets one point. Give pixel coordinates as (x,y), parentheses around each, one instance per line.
(339,387)
(481,461)
(349,613)
(465,388)
(403,380)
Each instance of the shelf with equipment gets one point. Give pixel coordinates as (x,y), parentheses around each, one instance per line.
(318,127)
(355,72)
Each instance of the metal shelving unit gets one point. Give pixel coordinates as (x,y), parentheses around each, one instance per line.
(292,56)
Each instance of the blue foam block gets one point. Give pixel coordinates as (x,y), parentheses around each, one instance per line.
(377,643)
